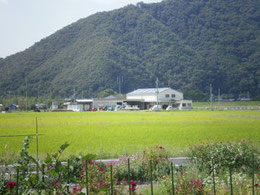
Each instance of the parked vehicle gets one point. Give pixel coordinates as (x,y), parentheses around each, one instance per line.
(156,107)
(92,109)
(118,107)
(171,108)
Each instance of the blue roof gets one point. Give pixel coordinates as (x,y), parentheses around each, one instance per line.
(148,91)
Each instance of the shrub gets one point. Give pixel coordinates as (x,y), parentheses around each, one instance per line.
(140,164)
(225,155)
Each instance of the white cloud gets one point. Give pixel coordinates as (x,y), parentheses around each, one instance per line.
(4,1)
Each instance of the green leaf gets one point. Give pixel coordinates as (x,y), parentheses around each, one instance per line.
(89,157)
(48,160)
(64,146)
(55,155)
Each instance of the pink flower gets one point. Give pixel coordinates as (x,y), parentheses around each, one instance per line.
(56,183)
(11,184)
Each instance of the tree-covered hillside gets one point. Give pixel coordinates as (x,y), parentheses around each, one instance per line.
(187,44)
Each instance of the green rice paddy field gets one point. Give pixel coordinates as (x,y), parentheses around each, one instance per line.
(111,134)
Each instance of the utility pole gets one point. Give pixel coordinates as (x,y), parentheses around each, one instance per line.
(210,89)
(74,95)
(119,82)
(16,100)
(26,94)
(157,91)
(218,95)
(37,94)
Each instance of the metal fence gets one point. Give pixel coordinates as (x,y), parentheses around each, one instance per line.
(13,173)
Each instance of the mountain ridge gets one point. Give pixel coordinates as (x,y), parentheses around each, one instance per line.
(186,44)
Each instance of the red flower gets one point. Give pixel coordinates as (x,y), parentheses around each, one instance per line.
(133,183)
(75,190)
(257,184)
(11,184)
(133,189)
(161,147)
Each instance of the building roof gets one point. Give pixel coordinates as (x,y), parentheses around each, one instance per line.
(147,91)
(111,97)
(84,100)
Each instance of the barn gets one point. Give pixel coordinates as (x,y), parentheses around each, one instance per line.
(148,97)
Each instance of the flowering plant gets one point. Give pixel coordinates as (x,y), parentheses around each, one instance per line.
(225,155)
(133,186)
(188,184)
(140,164)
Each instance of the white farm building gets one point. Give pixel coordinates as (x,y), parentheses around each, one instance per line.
(148,97)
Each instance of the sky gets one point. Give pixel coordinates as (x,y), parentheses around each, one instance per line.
(24,22)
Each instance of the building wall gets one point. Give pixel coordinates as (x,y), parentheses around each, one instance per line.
(184,104)
(146,98)
(103,103)
(176,95)
(75,107)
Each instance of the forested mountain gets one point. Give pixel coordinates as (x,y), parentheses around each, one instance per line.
(187,44)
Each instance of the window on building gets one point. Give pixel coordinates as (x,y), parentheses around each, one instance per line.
(183,105)
(173,95)
(189,104)
(167,95)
